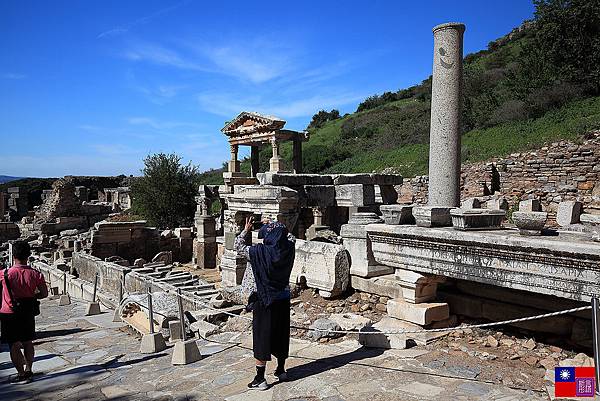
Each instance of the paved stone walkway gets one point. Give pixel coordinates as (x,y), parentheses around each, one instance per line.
(91,358)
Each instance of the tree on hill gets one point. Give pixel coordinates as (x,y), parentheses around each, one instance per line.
(322,117)
(165,194)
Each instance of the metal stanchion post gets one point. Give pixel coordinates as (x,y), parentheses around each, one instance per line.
(152,342)
(94,307)
(596,331)
(150,311)
(184,351)
(64,283)
(95,287)
(181,316)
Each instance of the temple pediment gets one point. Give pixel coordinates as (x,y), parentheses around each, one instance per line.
(250,122)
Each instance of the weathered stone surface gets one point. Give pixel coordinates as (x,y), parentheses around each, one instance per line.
(152,343)
(530,223)
(470,203)
(349,195)
(547,265)
(293,180)
(422,314)
(432,216)
(203,328)
(322,328)
(355,241)
(477,219)
(350,321)
(386,285)
(9,231)
(397,214)
(232,268)
(568,212)
(324,266)
(530,205)
(185,352)
(446,98)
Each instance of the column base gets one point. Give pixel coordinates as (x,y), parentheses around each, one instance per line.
(432,216)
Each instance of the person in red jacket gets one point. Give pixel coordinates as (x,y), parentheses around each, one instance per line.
(25,284)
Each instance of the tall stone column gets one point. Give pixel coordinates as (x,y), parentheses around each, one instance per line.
(444,136)
(234,164)
(276,162)
(205,245)
(297,156)
(254,160)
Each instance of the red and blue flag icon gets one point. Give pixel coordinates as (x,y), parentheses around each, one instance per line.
(574,381)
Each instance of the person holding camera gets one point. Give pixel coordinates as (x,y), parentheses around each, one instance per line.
(21,287)
(271,266)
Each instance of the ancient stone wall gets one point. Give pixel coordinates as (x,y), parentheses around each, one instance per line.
(62,202)
(560,171)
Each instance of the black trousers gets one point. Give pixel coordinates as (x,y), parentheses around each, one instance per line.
(271,330)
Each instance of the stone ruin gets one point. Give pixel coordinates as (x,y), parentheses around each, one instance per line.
(433,256)
(433,259)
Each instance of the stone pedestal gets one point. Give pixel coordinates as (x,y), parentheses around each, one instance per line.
(152,343)
(205,250)
(186,352)
(64,300)
(444,137)
(358,246)
(232,268)
(93,308)
(276,162)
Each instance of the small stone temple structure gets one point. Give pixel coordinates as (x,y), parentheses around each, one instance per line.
(255,130)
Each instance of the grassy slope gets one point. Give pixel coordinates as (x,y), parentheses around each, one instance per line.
(479,144)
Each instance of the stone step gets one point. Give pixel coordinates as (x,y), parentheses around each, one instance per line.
(198,287)
(155,275)
(396,341)
(154,264)
(384,286)
(422,314)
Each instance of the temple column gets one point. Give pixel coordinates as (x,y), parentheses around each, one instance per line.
(254,160)
(234,164)
(444,137)
(276,162)
(297,156)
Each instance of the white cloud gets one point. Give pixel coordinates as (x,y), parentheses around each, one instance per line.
(140,21)
(160,125)
(229,105)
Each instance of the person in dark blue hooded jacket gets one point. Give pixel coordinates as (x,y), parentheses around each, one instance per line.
(271,263)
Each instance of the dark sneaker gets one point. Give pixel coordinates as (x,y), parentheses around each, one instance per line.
(258,384)
(280,376)
(20,379)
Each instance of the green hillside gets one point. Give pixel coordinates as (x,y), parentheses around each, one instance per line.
(539,83)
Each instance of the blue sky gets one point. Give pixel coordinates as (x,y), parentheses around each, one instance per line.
(92,87)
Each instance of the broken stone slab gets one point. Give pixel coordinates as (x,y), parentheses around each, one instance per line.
(350,321)
(384,286)
(350,195)
(175,330)
(422,314)
(323,266)
(470,203)
(417,287)
(530,205)
(568,213)
(397,214)
(530,223)
(203,328)
(293,180)
(212,316)
(477,219)
(382,339)
(588,219)
(432,216)
(322,329)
